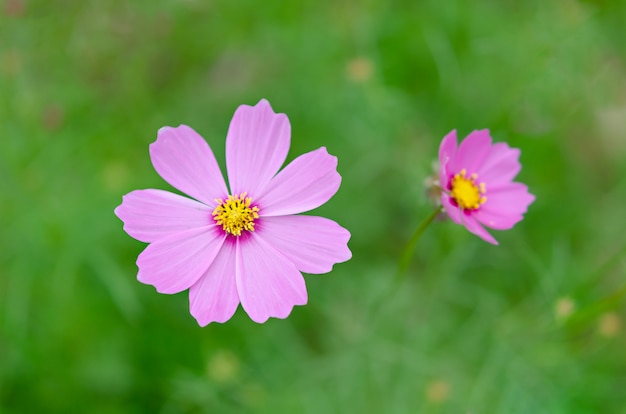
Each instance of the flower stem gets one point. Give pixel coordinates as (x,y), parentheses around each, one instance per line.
(405,259)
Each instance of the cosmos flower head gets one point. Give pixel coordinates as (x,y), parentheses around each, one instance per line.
(477,183)
(244,244)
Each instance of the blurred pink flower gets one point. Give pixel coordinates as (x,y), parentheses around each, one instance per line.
(244,245)
(477,183)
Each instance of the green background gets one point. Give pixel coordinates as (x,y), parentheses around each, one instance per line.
(534,325)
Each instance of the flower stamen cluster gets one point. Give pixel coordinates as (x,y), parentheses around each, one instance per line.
(466,193)
(235,214)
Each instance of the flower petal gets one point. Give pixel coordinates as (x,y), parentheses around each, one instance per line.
(496,221)
(214,297)
(313,244)
(184,159)
(453,211)
(510,200)
(269,285)
(472,152)
(501,166)
(176,262)
(470,223)
(306,183)
(447,154)
(467,220)
(152,214)
(256,146)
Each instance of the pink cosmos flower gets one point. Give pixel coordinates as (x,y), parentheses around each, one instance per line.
(244,245)
(477,183)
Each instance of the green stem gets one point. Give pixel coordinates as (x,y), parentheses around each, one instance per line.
(405,259)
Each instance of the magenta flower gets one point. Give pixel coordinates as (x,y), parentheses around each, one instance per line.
(244,245)
(477,183)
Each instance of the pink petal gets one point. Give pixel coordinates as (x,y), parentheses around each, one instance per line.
(472,152)
(496,221)
(256,146)
(185,160)
(152,214)
(269,285)
(447,153)
(453,211)
(214,297)
(473,226)
(467,220)
(313,244)
(500,167)
(174,263)
(510,200)
(306,183)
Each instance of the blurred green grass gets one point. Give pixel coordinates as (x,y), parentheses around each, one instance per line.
(84,86)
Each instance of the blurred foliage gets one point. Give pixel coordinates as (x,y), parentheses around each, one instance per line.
(535,325)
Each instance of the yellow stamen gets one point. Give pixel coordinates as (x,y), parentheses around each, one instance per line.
(235,214)
(467,194)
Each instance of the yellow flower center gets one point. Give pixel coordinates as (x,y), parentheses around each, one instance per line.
(467,194)
(235,214)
